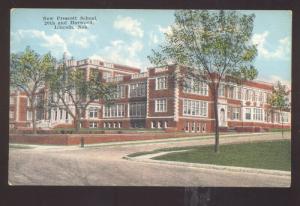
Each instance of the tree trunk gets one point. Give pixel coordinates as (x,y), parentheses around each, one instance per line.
(77,120)
(33,121)
(281,123)
(77,124)
(32,107)
(215,96)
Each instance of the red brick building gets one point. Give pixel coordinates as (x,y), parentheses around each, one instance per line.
(155,99)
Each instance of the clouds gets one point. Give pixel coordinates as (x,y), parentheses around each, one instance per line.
(55,43)
(81,38)
(129,25)
(119,51)
(282,51)
(165,30)
(153,38)
(274,78)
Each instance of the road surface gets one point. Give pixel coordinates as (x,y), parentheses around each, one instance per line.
(104,165)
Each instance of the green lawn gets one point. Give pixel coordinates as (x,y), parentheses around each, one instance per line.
(264,155)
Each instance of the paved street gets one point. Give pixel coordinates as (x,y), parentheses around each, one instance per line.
(104,165)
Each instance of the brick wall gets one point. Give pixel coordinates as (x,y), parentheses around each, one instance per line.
(74,139)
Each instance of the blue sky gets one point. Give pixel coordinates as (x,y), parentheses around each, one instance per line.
(127,37)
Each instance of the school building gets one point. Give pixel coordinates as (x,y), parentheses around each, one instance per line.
(155,99)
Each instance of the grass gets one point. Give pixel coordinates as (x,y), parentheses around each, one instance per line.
(280,130)
(17,146)
(274,155)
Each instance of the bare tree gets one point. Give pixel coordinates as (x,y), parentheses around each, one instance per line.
(70,88)
(279,101)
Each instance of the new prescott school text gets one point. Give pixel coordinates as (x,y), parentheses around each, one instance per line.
(155,99)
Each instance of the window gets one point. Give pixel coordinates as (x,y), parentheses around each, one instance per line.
(11,114)
(260,97)
(166,124)
(193,126)
(115,110)
(231,92)
(221,90)
(254,96)
(137,90)
(268,116)
(159,124)
(248,113)
(67,115)
(248,95)
(93,124)
(235,113)
(28,102)
(61,113)
(199,127)
(29,115)
(106,75)
(108,65)
(137,109)
(187,126)
(55,115)
(285,117)
(239,93)
(153,124)
(276,117)
(160,105)
(257,114)
(204,127)
(194,87)
(11,100)
(120,92)
(195,107)
(93,112)
(265,97)
(161,83)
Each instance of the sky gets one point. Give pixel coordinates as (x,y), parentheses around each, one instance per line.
(128,36)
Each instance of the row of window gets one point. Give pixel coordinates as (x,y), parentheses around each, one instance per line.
(194,126)
(115,110)
(135,90)
(136,109)
(234,113)
(140,89)
(195,108)
(159,124)
(195,87)
(258,114)
(112,125)
(235,92)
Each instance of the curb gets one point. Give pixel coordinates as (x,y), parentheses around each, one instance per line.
(215,167)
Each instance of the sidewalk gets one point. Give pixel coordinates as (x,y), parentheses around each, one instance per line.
(152,141)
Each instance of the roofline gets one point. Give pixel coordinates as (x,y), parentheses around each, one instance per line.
(127,66)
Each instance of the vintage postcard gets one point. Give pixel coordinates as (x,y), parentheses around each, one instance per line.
(123,97)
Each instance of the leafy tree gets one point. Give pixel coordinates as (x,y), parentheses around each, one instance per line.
(279,101)
(70,88)
(213,45)
(28,73)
